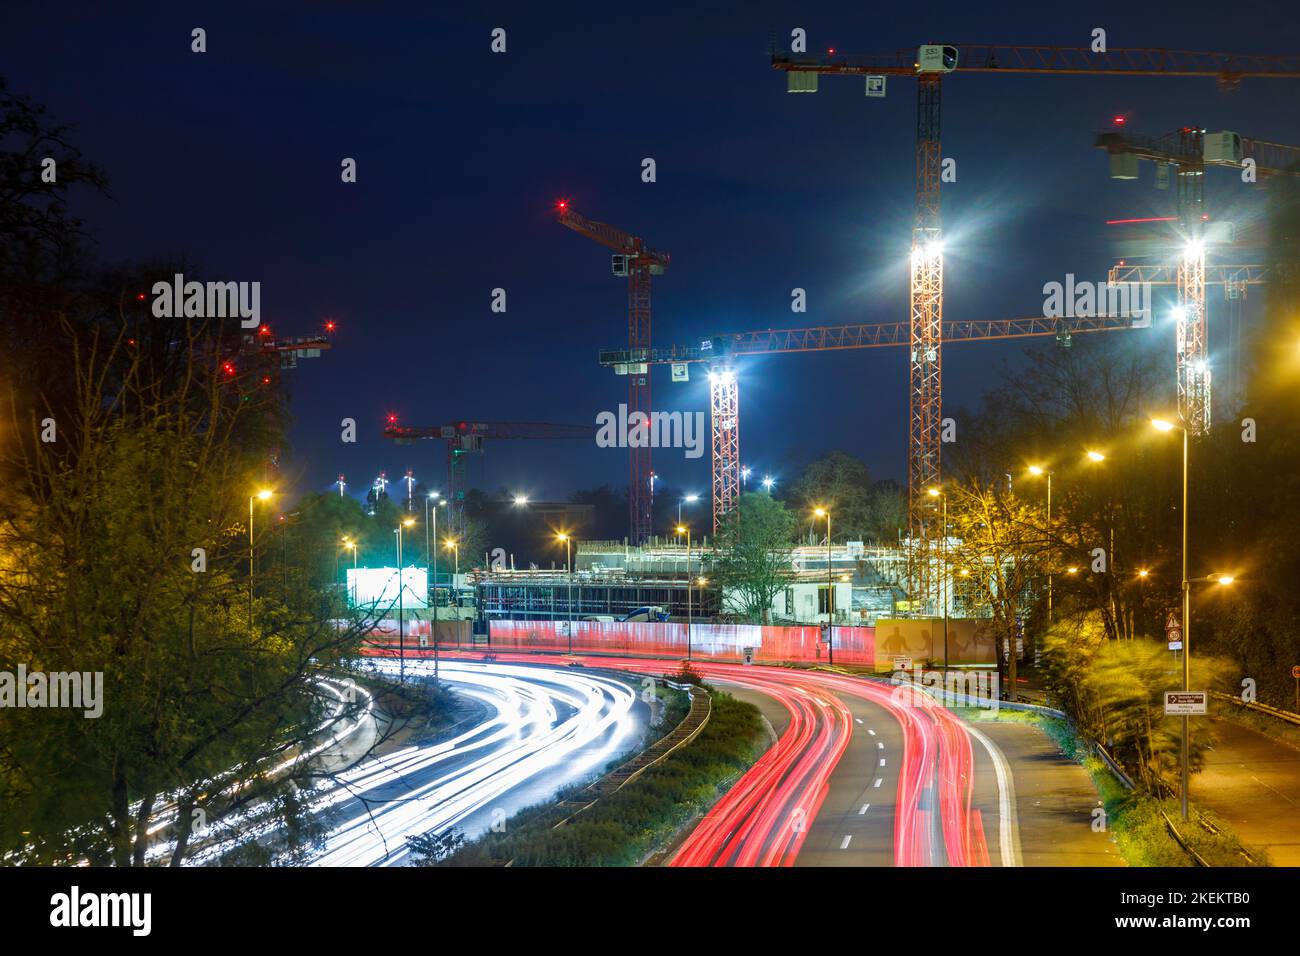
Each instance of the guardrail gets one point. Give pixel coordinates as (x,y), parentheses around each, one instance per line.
(687,730)
(1286,715)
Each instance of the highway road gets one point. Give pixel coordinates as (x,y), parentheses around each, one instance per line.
(546,727)
(1253,782)
(863,775)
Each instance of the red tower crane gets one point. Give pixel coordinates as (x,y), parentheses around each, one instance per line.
(928,65)
(637,262)
(464,437)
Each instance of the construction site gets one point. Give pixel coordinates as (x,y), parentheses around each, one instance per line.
(1204,269)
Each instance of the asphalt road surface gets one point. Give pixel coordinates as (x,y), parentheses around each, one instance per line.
(1253,782)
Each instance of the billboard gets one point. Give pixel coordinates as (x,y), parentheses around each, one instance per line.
(378,587)
(922,639)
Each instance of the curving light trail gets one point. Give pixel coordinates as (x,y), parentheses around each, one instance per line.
(545,728)
(764,818)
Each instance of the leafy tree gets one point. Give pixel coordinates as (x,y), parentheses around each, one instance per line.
(841,483)
(998,549)
(752,558)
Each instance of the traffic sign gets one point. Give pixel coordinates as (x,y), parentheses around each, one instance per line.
(1295,672)
(902,663)
(1185,702)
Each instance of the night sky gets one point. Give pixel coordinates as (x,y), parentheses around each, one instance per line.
(233,158)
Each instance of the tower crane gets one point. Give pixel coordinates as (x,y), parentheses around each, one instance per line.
(636,261)
(928,65)
(720,351)
(464,437)
(1188,151)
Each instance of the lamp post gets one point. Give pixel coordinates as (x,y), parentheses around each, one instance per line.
(568,570)
(690,500)
(943,593)
(830,588)
(401,610)
(431,555)
(352,546)
(1162,425)
(1039,470)
(453,546)
(689,609)
(262,495)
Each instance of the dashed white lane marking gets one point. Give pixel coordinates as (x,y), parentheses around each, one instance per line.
(880,744)
(845,844)
(882,761)
(879,781)
(858,719)
(872,732)
(865,808)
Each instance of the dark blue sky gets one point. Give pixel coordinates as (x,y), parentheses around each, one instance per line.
(233,157)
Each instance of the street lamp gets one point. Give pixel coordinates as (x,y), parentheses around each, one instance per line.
(263,495)
(431,557)
(830,588)
(1039,471)
(568,570)
(744,477)
(768,482)
(352,546)
(520,500)
(690,500)
(937,493)
(1096,456)
(689,612)
(401,609)
(1163,425)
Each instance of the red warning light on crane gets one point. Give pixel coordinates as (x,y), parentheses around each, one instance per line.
(1119,121)
(329,326)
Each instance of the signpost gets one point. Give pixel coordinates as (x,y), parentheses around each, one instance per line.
(1295,672)
(1185,703)
(1174,632)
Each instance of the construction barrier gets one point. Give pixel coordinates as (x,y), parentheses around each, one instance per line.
(715,642)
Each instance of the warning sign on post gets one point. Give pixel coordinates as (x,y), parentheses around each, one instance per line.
(1184,702)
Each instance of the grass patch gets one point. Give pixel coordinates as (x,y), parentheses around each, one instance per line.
(624,827)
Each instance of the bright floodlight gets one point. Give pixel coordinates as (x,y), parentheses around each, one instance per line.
(1162,425)
(1178,313)
(1143,573)
(1096,456)
(1194,249)
(768,482)
(521,499)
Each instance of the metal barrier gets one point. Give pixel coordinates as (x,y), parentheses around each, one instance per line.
(1286,715)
